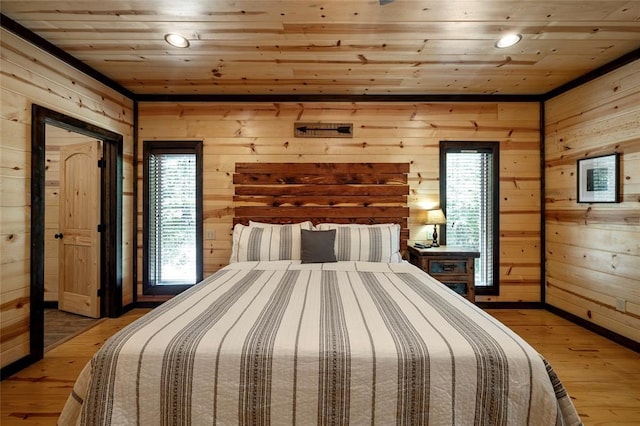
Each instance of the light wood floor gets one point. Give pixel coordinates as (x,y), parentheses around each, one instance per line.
(602,377)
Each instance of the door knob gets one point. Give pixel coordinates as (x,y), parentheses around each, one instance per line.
(56,236)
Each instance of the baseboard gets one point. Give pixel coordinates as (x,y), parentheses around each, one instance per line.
(129,307)
(510,305)
(16,366)
(618,338)
(148,304)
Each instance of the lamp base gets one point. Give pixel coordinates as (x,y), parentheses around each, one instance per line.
(434,243)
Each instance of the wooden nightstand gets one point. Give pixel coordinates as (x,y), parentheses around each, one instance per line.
(452,266)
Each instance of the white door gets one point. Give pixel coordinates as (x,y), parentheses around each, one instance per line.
(78,233)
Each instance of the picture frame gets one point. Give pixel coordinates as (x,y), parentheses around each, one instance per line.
(599,179)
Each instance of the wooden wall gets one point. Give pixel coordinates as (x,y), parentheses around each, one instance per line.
(29,76)
(389,132)
(593,250)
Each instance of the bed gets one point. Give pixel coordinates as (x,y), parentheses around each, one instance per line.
(318,322)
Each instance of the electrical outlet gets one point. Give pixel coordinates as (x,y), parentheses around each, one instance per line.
(621,304)
(211,234)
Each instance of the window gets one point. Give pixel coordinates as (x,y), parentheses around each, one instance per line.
(172,216)
(469,197)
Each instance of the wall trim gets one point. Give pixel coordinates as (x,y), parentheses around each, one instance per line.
(16,366)
(147,304)
(110,243)
(338,98)
(510,305)
(608,334)
(128,308)
(33,38)
(623,60)
(134,250)
(543,208)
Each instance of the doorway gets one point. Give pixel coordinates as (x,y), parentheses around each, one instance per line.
(72,253)
(108,231)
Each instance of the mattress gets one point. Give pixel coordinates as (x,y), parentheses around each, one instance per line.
(282,342)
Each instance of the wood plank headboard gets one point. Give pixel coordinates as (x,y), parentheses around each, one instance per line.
(365,193)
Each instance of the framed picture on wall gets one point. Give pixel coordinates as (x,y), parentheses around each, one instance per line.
(599,179)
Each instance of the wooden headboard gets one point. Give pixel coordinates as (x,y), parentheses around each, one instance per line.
(365,193)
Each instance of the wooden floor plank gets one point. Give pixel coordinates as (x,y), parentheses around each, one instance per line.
(35,396)
(602,377)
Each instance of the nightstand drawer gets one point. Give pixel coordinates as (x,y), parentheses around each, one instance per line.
(456,267)
(453,267)
(459,287)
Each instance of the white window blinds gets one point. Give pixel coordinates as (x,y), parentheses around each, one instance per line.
(172,219)
(469,212)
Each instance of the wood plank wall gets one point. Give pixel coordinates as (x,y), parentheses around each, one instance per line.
(28,75)
(593,250)
(365,193)
(390,132)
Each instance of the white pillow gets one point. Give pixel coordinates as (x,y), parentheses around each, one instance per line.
(366,243)
(258,243)
(354,225)
(303,225)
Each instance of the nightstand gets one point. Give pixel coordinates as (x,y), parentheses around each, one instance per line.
(452,266)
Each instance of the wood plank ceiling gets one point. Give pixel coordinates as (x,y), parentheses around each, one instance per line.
(343,47)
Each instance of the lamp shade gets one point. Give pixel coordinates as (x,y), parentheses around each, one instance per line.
(435,217)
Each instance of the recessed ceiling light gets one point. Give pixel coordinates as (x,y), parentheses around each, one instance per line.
(176,40)
(508,40)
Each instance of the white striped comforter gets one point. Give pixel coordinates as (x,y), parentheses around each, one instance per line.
(342,343)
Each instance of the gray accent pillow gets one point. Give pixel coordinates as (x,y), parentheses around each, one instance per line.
(317,246)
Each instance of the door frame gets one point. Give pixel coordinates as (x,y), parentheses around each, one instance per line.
(111,218)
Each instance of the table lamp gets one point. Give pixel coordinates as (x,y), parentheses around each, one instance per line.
(435,218)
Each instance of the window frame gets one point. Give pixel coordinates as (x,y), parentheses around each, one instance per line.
(171,147)
(492,147)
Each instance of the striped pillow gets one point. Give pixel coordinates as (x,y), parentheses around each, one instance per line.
(258,243)
(366,243)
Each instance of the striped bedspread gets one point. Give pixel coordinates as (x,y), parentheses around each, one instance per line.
(284,343)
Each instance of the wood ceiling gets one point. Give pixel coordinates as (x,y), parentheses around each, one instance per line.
(336,47)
